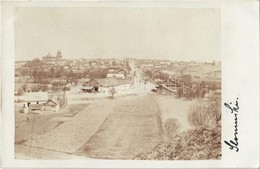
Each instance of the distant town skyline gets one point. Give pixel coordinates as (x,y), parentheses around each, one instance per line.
(143,33)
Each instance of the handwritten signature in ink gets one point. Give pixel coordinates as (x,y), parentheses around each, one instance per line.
(233,144)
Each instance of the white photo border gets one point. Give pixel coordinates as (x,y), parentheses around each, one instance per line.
(240,78)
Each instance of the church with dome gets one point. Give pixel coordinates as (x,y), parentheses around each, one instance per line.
(49,59)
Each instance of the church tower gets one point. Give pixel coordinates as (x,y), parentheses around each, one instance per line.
(59,55)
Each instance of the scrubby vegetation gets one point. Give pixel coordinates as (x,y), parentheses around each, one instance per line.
(208,114)
(198,116)
(201,143)
(171,127)
(112,92)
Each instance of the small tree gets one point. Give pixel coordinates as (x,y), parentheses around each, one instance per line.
(112,92)
(215,111)
(171,127)
(199,116)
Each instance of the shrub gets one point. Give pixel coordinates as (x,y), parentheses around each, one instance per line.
(201,143)
(198,115)
(207,114)
(189,94)
(171,127)
(214,110)
(112,92)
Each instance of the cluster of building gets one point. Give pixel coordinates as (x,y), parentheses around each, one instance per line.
(174,86)
(52,63)
(105,85)
(121,75)
(199,71)
(119,79)
(171,86)
(41,105)
(52,104)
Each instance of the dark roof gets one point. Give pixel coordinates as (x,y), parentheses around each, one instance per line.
(168,88)
(170,82)
(106,82)
(36,106)
(50,103)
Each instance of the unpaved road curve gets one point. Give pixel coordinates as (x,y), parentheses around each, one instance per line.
(132,127)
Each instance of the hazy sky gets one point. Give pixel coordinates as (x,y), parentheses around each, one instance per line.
(92,32)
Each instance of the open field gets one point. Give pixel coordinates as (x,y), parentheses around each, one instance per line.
(71,135)
(27,125)
(132,127)
(171,107)
(105,129)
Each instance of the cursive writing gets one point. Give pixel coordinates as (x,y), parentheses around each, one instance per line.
(233,144)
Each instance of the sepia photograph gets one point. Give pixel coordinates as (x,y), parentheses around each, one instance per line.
(131,84)
(128,83)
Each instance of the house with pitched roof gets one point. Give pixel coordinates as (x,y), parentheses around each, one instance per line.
(103,85)
(171,86)
(50,105)
(117,72)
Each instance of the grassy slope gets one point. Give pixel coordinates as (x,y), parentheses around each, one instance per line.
(128,127)
(71,135)
(132,127)
(190,143)
(27,125)
(171,107)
